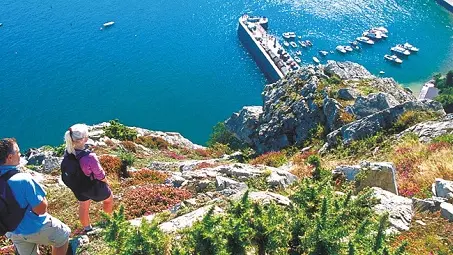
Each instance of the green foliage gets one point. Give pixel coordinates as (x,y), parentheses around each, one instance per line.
(59,150)
(273,159)
(221,135)
(410,118)
(119,131)
(153,142)
(128,240)
(446,100)
(127,157)
(447,138)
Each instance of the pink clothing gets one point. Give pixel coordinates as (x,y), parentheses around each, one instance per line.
(90,164)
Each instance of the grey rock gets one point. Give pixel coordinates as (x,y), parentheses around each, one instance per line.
(266,197)
(281,179)
(240,171)
(227,183)
(187,220)
(371,104)
(429,204)
(429,130)
(177,180)
(443,188)
(37,156)
(245,123)
(377,174)
(203,185)
(332,110)
(51,163)
(446,210)
(347,94)
(389,85)
(347,70)
(399,209)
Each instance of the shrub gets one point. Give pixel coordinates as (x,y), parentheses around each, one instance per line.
(221,135)
(410,118)
(129,146)
(148,176)
(127,157)
(273,159)
(202,153)
(111,164)
(153,142)
(448,138)
(119,131)
(346,117)
(218,149)
(205,165)
(151,199)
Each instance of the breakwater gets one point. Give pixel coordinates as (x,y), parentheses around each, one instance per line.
(448,4)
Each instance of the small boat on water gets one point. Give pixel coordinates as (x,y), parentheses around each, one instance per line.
(285,43)
(410,47)
(303,44)
(108,24)
(289,35)
(297,59)
(393,58)
(381,72)
(316,60)
(354,43)
(293,44)
(340,49)
(401,50)
(373,34)
(1,24)
(382,29)
(308,43)
(323,53)
(348,48)
(365,40)
(298,53)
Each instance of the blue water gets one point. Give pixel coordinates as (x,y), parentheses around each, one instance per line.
(178,65)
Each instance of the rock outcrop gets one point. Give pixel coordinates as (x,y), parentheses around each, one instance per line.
(429,130)
(399,209)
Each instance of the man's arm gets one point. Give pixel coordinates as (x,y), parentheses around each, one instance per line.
(41,208)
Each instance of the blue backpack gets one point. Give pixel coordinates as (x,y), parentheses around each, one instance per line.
(11,214)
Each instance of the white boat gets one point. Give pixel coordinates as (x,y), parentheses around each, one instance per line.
(373,34)
(365,40)
(340,49)
(393,58)
(293,44)
(348,48)
(1,24)
(308,43)
(410,47)
(400,50)
(289,35)
(316,60)
(382,29)
(381,72)
(285,43)
(323,53)
(303,44)
(297,59)
(108,24)
(298,53)
(354,43)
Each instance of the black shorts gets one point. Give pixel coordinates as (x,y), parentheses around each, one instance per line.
(98,192)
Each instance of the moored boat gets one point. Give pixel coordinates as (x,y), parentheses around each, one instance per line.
(382,29)
(410,47)
(316,60)
(293,44)
(298,53)
(373,34)
(340,49)
(289,35)
(400,50)
(365,40)
(308,43)
(393,58)
(285,43)
(108,24)
(323,53)
(303,44)
(348,48)
(297,59)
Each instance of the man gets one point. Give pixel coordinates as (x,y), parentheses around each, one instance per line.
(37,226)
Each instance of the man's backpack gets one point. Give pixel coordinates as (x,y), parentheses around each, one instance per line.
(72,174)
(11,214)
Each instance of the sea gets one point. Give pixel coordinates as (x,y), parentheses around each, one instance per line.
(178,66)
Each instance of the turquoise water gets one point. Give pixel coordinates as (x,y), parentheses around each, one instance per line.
(178,65)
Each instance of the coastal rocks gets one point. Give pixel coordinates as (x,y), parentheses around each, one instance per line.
(446,210)
(332,109)
(443,188)
(429,130)
(399,209)
(280,179)
(370,174)
(223,183)
(266,197)
(365,106)
(430,204)
(374,123)
(187,220)
(44,159)
(245,123)
(346,70)
(389,86)
(347,94)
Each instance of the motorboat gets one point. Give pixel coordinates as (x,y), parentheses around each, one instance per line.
(298,53)
(381,72)
(410,47)
(303,44)
(393,58)
(297,59)
(308,43)
(354,43)
(1,24)
(316,60)
(372,34)
(323,53)
(348,48)
(289,35)
(285,43)
(365,40)
(340,49)
(108,24)
(293,44)
(401,50)
(382,29)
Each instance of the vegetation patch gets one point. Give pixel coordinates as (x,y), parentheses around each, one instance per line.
(273,159)
(119,131)
(148,176)
(111,164)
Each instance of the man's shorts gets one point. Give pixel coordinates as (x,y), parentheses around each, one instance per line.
(53,233)
(98,192)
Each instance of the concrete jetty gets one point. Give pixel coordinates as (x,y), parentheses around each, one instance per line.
(448,4)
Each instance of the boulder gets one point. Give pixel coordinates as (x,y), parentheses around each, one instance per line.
(365,106)
(347,70)
(429,130)
(223,183)
(37,156)
(187,220)
(266,197)
(347,94)
(51,163)
(399,209)
(332,110)
(280,178)
(373,174)
(245,123)
(443,188)
(430,204)
(446,210)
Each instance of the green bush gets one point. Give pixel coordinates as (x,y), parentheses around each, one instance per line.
(127,157)
(410,118)
(273,159)
(447,138)
(119,131)
(221,135)
(153,142)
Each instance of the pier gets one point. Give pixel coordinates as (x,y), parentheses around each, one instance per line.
(274,61)
(448,4)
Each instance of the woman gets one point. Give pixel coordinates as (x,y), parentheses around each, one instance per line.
(76,138)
